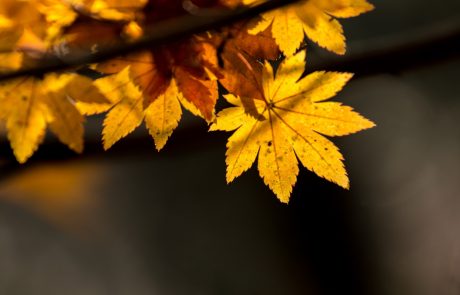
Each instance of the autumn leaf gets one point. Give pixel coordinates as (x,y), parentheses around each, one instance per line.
(242,69)
(127,114)
(296,116)
(163,115)
(258,46)
(315,18)
(192,63)
(183,73)
(28,105)
(126,110)
(242,78)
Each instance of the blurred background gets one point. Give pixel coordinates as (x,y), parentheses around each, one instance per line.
(133,221)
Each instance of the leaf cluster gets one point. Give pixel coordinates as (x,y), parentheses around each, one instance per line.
(280,117)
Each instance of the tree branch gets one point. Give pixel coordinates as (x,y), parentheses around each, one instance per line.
(157,34)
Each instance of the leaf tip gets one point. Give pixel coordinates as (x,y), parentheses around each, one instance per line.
(283,199)
(21,159)
(229,177)
(341,50)
(159,146)
(77,149)
(368,124)
(343,182)
(106,144)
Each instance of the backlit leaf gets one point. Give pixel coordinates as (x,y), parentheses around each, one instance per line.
(28,105)
(294,119)
(315,18)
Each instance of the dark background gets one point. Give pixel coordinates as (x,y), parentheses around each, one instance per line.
(134,221)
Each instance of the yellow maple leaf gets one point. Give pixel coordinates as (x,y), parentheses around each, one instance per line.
(163,115)
(315,18)
(127,112)
(294,118)
(28,105)
(126,109)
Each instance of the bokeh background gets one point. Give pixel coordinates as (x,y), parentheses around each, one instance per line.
(134,221)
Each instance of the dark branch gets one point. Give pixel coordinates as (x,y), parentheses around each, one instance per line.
(159,34)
